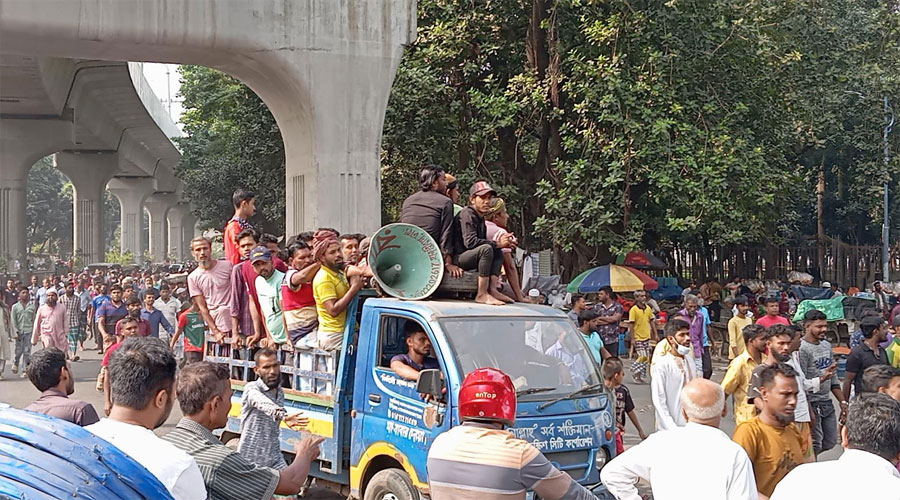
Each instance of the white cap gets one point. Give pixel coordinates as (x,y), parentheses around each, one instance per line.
(534,292)
(180,291)
(826,284)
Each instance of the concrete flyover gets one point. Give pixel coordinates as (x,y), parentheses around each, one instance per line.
(103,123)
(323,67)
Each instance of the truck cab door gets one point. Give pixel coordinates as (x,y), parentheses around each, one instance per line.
(397,418)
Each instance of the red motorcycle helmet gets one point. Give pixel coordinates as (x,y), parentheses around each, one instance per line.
(487,394)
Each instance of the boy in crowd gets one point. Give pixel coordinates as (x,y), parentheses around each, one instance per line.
(881,378)
(736,327)
(129,328)
(613,372)
(191,323)
(643,323)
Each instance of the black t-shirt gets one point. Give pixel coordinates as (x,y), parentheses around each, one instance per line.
(624,404)
(428,363)
(862,357)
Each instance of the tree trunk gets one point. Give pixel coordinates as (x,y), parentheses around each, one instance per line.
(820,218)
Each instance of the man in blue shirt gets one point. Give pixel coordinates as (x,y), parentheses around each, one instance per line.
(154,316)
(418,354)
(94,313)
(586,325)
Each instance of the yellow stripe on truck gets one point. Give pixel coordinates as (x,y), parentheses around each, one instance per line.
(376,450)
(319,426)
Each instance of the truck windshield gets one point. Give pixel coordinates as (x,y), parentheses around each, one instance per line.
(545,358)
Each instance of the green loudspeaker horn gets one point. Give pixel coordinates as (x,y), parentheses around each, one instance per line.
(406,261)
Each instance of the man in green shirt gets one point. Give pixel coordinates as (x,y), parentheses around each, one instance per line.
(268,289)
(22,322)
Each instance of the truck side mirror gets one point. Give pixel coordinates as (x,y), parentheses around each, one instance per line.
(429,382)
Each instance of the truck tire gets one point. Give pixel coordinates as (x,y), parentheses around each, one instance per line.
(391,484)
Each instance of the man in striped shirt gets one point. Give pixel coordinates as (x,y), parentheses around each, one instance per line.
(480,460)
(204,394)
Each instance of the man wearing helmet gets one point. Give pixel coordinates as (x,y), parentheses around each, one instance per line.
(480,460)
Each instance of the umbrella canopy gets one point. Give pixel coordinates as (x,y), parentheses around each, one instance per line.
(620,278)
(641,260)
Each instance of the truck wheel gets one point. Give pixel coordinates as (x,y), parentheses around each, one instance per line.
(391,484)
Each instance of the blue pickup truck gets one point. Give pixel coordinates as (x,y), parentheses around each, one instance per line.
(378,427)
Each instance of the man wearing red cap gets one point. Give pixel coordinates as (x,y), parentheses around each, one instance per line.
(478,252)
(479,460)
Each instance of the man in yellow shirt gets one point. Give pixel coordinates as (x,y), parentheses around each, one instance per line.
(737,379)
(331,289)
(643,324)
(770,439)
(736,327)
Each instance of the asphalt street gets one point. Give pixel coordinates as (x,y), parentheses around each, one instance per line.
(19,393)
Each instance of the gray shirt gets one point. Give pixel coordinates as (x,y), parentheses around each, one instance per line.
(227,474)
(56,404)
(814,359)
(262,410)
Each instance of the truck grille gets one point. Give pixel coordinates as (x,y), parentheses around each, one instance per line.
(574,463)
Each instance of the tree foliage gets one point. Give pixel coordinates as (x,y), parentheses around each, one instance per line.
(611,125)
(231,141)
(619,124)
(48,213)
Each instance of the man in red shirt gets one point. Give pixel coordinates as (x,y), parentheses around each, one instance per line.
(128,327)
(772,317)
(300,315)
(244,208)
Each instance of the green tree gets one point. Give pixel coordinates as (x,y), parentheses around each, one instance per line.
(48,213)
(231,141)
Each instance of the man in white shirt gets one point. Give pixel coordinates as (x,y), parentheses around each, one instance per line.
(719,468)
(170,307)
(867,468)
(670,373)
(142,388)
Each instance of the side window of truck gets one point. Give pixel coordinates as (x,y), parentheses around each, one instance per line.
(391,339)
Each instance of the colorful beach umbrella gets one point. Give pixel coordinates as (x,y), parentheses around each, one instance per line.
(620,278)
(641,260)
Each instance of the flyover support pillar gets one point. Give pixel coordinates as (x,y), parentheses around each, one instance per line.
(179,215)
(158,207)
(131,192)
(22,143)
(89,173)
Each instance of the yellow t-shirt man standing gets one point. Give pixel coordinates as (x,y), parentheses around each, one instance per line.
(773,451)
(641,319)
(736,335)
(329,284)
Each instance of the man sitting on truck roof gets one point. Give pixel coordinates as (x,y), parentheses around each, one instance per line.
(418,354)
(431,209)
(204,394)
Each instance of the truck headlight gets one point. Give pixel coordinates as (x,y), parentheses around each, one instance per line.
(602,457)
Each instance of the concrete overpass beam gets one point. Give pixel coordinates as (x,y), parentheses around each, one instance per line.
(89,173)
(158,206)
(131,192)
(22,143)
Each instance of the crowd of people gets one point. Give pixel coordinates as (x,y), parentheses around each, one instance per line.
(264,300)
(784,384)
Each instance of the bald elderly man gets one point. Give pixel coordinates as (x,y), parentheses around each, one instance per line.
(716,468)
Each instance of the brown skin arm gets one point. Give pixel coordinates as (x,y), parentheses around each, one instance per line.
(637,424)
(845,387)
(107,402)
(210,322)
(512,276)
(404,370)
(336,307)
(305,275)
(294,476)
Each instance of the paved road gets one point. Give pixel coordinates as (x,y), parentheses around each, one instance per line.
(19,392)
